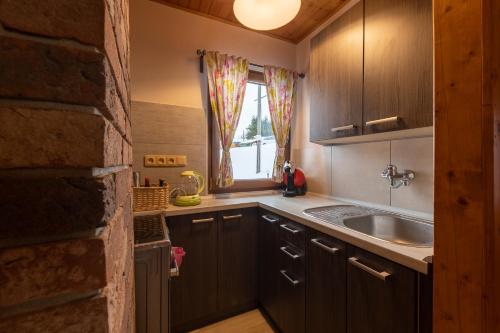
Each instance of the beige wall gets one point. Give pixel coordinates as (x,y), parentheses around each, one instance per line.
(353,171)
(164,41)
(165,75)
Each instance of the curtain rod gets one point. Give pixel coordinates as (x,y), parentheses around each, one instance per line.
(201,53)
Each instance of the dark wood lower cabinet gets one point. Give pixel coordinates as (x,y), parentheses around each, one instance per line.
(291,318)
(268,270)
(303,280)
(194,291)
(291,289)
(326,284)
(237,260)
(381,295)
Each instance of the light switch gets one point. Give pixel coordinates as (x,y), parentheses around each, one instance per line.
(181,160)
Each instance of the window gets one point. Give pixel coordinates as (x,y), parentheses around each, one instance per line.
(254,145)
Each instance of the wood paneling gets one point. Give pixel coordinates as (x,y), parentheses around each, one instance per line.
(311,15)
(467,166)
(398,64)
(336,70)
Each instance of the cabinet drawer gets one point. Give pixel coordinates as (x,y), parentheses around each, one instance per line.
(292,259)
(381,293)
(294,233)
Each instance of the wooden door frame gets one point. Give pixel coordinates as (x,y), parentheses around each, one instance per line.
(467,166)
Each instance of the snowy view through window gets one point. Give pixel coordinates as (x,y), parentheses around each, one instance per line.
(254,145)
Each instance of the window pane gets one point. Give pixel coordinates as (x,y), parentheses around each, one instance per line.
(254,145)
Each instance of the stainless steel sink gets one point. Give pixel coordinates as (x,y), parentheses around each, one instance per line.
(375,223)
(393,228)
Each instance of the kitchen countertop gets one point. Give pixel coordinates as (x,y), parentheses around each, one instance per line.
(292,208)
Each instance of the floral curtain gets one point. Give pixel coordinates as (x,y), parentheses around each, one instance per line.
(227,79)
(281,86)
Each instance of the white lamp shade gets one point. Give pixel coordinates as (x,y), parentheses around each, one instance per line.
(265,14)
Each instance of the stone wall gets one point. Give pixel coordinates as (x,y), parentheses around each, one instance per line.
(66,237)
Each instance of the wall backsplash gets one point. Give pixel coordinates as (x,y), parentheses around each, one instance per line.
(353,172)
(168,129)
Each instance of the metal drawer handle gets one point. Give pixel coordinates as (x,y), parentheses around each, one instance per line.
(270,219)
(294,256)
(289,278)
(381,275)
(232,217)
(287,228)
(382,121)
(343,128)
(210,219)
(318,242)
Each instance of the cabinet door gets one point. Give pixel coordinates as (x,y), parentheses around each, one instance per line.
(336,76)
(381,295)
(326,284)
(398,64)
(268,263)
(194,291)
(237,259)
(148,290)
(291,318)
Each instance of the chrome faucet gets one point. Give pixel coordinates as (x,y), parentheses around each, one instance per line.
(396,179)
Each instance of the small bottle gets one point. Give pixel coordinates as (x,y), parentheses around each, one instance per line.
(146,182)
(161,182)
(137,179)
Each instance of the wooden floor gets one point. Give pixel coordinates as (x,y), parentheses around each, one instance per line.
(248,322)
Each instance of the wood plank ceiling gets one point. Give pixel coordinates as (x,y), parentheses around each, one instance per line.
(311,15)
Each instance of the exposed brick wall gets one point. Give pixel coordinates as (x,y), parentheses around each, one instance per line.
(66,237)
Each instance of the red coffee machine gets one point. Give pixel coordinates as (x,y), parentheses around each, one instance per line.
(294,181)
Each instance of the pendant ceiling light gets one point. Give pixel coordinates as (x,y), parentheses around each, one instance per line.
(265,14)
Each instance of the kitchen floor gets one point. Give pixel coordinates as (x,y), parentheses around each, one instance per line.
(248,322)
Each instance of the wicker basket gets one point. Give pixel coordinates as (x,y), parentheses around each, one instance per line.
(151,198)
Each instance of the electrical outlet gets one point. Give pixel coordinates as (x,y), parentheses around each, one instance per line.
(160,161)
(165,161)
(149,160)
(170,160)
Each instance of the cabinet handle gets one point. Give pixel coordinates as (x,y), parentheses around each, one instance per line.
(318,243)
(289,278)
(270,219)
(294,256)
(343,128)
(287,228)
(382,121)
(232,217)
(210,219)
(380,275)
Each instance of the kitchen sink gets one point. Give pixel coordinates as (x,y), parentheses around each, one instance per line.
(393,228)
(375,223)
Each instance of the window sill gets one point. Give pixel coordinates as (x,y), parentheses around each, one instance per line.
(248,186)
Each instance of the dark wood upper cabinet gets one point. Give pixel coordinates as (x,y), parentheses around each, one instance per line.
(398,64)
(237,259)
(372,69)
(336,76)
(326,284)
(381,295)
(194,291)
